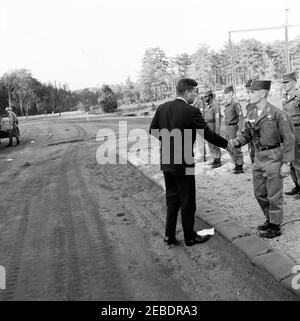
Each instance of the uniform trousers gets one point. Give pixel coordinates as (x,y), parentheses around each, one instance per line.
(13,132)
(180,194)
(268,184)
(295,166)
(214,151)
(237,154)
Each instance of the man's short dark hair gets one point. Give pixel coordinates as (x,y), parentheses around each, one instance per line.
(184,84)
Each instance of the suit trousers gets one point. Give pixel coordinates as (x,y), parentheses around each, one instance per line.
(268,184)
(180,194)
(237,154)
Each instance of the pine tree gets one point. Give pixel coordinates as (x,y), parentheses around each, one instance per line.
(108,101)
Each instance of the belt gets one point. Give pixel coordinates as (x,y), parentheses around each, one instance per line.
(268,147)
(210,121)
(295,125)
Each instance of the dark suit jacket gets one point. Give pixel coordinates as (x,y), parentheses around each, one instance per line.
(184,119)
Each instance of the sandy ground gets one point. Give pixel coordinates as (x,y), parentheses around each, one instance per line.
(71,229)
(233,195)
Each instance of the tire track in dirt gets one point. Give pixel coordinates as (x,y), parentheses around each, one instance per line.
(106,273)
(80,242)
(65,265)
(16,241)
(88,246)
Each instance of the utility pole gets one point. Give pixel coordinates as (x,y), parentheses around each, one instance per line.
(285,27)
(288,64)
(232,64)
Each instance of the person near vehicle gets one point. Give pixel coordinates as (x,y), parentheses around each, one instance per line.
(291,105)
(274,142)
(212,116)
(176,124)
(13,130)
(233,124)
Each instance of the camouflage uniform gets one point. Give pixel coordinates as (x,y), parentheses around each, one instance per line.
(273,140)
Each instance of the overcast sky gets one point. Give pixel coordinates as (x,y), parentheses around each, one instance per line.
(86,43)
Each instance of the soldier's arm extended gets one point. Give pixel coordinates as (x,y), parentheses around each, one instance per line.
(287,137)
(244,137)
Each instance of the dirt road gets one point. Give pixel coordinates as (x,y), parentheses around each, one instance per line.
(71,229)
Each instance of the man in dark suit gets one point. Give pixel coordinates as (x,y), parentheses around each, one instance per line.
(175,124)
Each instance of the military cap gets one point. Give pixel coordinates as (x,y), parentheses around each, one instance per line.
(8,108)
(248,83)
(288,77)
(260,84)
(208,93)
(228,89)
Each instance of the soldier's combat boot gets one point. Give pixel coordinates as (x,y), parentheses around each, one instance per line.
(239,169)
(217,163)
(294,191)
(273,231)
(264,226)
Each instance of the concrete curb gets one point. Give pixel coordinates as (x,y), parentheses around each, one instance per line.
(255,248)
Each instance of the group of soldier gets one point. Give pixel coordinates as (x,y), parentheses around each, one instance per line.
(273,138)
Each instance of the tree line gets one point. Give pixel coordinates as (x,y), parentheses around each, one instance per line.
(157,78)
(212,69)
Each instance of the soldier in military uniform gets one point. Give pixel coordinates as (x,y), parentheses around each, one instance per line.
(251,114)
(212,116)
(291,105)
(274,150)
(13,127)
(233,123)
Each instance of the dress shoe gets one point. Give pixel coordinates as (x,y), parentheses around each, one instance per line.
(171,241)
(217,163)
(212,162)
(273,231)
(294,191)
(9,145)
(264,226)
(197,240)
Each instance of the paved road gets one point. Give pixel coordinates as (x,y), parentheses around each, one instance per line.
(71,229)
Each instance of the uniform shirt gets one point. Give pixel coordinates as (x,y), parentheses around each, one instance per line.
(233,114)
(272,127)
(213,114)
(12,119)
(291,106)
(252,115)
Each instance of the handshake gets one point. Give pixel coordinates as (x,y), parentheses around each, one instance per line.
(232,144)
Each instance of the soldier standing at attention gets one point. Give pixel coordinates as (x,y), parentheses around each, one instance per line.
(13,129)
(212,117)
(233,123)
(274,150)
(291,105)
